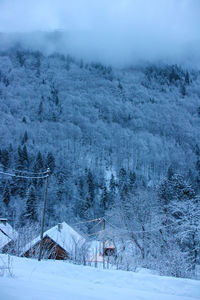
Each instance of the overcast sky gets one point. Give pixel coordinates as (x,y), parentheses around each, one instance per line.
(115,31)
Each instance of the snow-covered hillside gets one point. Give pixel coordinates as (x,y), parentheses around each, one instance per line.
(84,120)
(50,280)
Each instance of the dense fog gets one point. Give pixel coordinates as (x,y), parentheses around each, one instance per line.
(113,32)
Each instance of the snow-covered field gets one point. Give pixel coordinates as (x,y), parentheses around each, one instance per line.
(53,280)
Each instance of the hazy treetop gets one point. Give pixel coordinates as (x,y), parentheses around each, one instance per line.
(114,31)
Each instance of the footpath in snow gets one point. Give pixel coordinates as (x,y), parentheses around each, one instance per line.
(50,280)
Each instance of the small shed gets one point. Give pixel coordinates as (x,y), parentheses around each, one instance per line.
(96,253)
(60,242)
(8,235)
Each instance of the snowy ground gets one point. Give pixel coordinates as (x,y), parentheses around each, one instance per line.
(52,280)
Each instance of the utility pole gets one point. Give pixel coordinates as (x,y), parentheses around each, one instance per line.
(104,224)
(43,213)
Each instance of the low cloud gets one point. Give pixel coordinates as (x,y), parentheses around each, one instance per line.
(115,31)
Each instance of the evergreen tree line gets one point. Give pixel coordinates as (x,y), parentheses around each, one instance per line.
(171,209)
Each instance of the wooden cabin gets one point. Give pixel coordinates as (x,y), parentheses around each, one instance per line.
(60,242)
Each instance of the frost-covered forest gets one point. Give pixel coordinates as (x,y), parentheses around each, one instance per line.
(121,143)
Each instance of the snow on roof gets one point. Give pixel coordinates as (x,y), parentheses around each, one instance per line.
(7,229)
(63,235)
(4,239)
(3,219)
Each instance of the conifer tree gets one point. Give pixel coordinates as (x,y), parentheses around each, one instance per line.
(104,199)
(5,159)
(25,138)
(20,161)
(91,188)
(38,168)
(40,110)
(187,78)
(50,162)
(31,206)
(25,157)
(6,195)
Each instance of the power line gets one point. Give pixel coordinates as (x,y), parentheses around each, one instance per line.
(26,172)
(89,221)
(21,176)
(144,231)
(100,221)
(95,233)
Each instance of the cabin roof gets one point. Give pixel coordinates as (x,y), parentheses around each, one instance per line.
(8,230)
(63,235)
(4,239)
